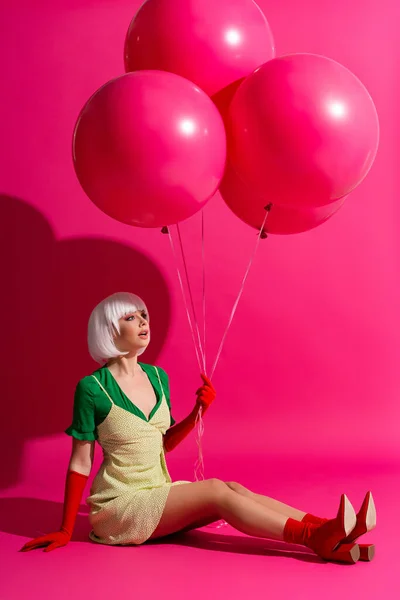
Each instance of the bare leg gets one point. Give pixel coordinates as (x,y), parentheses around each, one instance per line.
(279,507)
(210,500)
(200,524)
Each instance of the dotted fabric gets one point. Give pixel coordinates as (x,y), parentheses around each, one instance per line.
(129,492)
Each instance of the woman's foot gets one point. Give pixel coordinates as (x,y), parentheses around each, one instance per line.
(365,521)
(327,539)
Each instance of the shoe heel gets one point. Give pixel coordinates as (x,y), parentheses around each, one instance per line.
(345,553)
(367,552)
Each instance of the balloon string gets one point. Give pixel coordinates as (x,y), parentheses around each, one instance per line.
(199,465)
(166,230)
(260,236)
(197,329)
(204,288)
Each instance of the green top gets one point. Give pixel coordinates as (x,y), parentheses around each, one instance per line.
(91,405)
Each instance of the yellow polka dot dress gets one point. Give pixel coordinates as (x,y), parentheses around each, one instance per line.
(130,490)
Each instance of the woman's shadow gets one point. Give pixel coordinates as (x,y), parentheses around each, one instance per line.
(49,289)
(21,516)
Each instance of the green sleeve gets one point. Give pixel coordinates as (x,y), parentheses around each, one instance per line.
(83,425)
(165,384)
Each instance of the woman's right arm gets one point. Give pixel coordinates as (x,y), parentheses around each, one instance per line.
(80,466)
(82,456)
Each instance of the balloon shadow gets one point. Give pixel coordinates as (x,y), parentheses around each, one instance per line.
(49,290)
(224,97)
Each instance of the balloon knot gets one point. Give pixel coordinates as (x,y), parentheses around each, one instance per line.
(165,230)
(268,207)
(263,235)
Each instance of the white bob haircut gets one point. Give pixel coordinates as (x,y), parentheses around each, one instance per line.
(103,324)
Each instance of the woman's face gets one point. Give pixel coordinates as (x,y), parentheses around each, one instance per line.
(134,332)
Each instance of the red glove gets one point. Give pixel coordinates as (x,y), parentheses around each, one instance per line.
(177,433)
(206,394)
(74,487)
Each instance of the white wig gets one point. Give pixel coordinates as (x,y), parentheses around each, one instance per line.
(103,324)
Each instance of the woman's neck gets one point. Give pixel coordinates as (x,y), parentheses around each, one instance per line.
(124,365)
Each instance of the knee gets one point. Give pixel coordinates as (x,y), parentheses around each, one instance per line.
(218,489)
(236,487)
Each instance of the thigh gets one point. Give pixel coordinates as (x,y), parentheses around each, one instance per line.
(202,523)
(189,506)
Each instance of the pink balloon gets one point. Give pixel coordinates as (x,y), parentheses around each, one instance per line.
(303,130)
(211,42)
(149,148)
(281,220)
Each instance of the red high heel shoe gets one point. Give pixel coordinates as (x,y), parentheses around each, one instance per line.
(366,521)
(327,540)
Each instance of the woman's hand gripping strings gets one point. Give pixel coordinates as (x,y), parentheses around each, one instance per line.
(205,396)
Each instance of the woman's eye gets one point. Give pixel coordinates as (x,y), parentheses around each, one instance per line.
(131,318)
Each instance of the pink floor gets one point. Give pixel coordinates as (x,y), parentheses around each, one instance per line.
(208,563)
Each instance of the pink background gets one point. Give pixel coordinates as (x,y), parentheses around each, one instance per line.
(308,383)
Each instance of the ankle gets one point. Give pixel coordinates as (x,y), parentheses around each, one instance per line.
(309,518)
(298,532)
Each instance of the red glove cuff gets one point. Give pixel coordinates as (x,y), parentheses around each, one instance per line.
(74,487)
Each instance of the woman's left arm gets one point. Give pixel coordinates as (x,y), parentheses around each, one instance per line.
(205,395)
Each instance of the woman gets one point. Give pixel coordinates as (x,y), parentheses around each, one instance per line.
(125,406)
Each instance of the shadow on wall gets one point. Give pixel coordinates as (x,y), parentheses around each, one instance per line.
(49,288)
